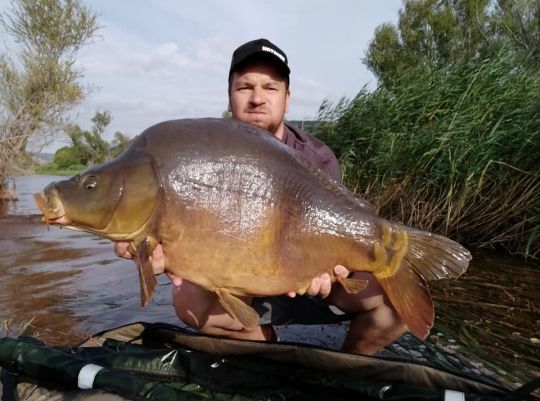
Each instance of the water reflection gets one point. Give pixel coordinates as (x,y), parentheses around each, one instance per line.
(492,314)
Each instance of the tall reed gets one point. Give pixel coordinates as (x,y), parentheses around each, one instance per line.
(453,150)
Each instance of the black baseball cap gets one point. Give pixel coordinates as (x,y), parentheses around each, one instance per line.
(262,48)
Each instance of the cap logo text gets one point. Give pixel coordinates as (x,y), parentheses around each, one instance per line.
(275,53)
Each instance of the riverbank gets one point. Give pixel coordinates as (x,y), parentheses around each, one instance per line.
(53,170)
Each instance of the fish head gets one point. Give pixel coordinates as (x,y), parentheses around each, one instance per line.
(114,200)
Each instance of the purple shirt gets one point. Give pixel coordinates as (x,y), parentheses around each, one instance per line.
(310,148)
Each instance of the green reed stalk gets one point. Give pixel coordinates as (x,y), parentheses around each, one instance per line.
(454,150)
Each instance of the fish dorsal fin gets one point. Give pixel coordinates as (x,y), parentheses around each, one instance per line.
(237,308)
(147,278)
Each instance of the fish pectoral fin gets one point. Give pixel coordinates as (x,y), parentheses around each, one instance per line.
(147,278)
(352,285)
(237,308)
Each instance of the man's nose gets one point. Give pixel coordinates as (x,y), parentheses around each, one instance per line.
(257,97)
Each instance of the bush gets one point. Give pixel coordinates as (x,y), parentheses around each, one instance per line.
(66,157)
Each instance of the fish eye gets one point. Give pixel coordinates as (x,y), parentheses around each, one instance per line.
(90,182)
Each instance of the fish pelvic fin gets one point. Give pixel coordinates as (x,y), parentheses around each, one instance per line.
(352,285)
(237,308)
(147,278)
(409,294)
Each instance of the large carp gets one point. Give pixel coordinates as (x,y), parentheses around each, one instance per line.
(239,213)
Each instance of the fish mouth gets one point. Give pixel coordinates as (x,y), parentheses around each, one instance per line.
(52,209)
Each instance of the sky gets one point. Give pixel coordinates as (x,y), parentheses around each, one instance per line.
(155,60)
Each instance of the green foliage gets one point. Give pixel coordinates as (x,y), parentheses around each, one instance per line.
(450,140)
(98,148)
(66,157)
(455,150)
(433,34)
(88,148)
(119,143)
(54,169)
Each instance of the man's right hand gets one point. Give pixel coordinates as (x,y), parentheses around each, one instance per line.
(157,259)
(322,285)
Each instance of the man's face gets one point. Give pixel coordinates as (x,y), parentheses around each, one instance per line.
(259,95)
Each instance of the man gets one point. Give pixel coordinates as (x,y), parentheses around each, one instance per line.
(259,95)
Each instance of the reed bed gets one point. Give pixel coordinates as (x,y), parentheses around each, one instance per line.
(455,150)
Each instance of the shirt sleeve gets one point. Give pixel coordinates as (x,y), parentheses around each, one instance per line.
(313,150)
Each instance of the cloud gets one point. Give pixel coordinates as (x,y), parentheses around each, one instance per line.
(158,59)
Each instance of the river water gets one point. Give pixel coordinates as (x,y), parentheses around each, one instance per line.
(62,286)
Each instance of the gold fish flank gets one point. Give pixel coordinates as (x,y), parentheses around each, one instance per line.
(266,211)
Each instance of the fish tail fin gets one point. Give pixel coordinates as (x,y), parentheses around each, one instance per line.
(435,257)
(416,256)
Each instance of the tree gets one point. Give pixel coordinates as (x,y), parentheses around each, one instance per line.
(119,143)
(38,81)
(436,33)
(99,148)
(66,157)
(89,146)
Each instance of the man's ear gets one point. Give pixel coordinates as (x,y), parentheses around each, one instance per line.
(229,109)
(287,100)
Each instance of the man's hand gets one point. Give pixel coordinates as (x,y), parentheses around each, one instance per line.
(322,285)
(157,259)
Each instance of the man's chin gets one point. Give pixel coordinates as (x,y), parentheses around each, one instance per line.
(259,123)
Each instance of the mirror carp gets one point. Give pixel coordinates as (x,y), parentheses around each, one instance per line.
(240,214)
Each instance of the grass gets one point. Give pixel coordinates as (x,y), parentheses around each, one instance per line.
(454,151)
(10,327)
(53,169)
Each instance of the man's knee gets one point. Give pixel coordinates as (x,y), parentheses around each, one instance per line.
(372,330)
(201,310)
(193,305)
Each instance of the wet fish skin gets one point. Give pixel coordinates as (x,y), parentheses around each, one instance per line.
(239,213)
